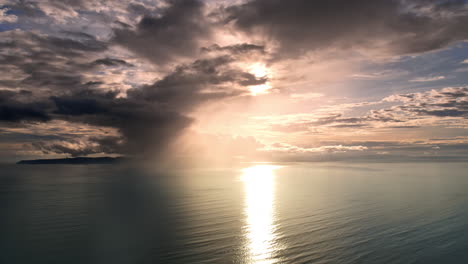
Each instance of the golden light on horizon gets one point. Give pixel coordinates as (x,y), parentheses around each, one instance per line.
(259,189)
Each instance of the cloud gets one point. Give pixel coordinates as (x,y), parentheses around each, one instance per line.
(13,109)
(305,96)
(428,79)
(447,102)
(412,110)
(38,62)
(111,62)
(58,137)
(19,112)
(379,75)
(235,49)
(302,124)
(60,79)
(287,148)
(390,27)
(367,150)
(5,17)
(175,32)
(62,11)
(133,75)
(423,150)
(75,148)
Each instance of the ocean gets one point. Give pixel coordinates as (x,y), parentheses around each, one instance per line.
(255,213)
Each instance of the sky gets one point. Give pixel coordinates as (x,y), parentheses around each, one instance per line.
(222,81)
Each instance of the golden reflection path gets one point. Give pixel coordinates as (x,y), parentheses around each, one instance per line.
(259,210)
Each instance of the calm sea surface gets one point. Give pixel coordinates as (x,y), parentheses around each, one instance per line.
(302,213)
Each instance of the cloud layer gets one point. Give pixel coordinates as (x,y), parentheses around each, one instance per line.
(392,27)
(135,75)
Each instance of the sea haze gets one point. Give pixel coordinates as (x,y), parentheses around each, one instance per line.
(257,213)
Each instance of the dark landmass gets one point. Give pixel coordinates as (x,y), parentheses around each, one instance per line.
(79,160)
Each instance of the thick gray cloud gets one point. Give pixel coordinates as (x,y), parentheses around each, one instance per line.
(13,109)
(57,72)
(38,62)
(49,79)
(236,49)
(393,26)
(174,32)
(152,115)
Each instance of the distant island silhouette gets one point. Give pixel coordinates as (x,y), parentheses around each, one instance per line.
(78,160)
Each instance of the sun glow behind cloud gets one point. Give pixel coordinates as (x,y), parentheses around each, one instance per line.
(322,93)
(259,70)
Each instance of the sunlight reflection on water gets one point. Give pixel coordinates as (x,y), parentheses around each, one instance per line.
(259,188)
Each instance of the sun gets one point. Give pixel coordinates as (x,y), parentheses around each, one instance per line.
(259,70)
(259,89)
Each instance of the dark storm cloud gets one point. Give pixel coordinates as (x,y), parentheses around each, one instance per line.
(67,45)
(235,49)
(144,126)
(73,106)
(52,78)
(51,74)
(443,113)
(395,26)
(174,32)
(15,137)
(151,116)
(53,69)
(110,62)
(59,9)
(183,88)
(45,62)
(14,110)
